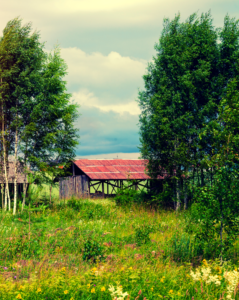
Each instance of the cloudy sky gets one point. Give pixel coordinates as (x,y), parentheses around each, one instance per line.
(107,46)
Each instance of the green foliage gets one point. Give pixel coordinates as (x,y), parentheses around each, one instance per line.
(216,208)
(89,210)
(93,250)
(189,119)
(142,235)
(126,197)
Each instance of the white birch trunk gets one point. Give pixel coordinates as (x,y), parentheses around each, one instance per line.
(5,204)
(50,193)
(2,190)
(15,180)
(5,164)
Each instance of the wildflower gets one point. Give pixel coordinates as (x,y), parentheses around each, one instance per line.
(130,268)
(118,292)
(93,290)
(162,280)
(66,292)
(152,288)
(72,298)
(122,269)
(204,262)
(19,296)
(39,290)
(102,289)
(63,269)
(88,285)
(179,294)
(170,292)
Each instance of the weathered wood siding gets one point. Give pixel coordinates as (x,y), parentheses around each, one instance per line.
(73,186)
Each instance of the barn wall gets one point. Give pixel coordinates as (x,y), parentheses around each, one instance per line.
(73,186)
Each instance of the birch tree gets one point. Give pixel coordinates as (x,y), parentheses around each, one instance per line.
(184,87)
(36,114)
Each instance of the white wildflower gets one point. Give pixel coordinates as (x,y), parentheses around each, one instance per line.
(118,292)
(205,272)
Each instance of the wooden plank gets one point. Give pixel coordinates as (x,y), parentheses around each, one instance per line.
(103,189)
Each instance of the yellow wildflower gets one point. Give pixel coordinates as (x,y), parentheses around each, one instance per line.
(94,270)
(204,262)
(93,290)
(152,288)
(21,287)
(39,290)
(63,269)
(19,296)
(179,294)
(122,269)
(88,285)
(102,289)
(66,292)
(72,298)
(162,280)
(130,268)
(170,292)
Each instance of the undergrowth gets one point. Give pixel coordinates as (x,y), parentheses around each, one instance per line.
(95,249)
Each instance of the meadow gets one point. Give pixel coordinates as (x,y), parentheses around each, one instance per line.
(93,249)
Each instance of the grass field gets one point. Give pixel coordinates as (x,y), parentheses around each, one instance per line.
(91,249)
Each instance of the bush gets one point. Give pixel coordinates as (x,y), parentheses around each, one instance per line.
(93,250)
(142,235)
(126,197)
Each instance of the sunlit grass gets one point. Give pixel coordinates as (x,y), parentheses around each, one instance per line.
(44,259)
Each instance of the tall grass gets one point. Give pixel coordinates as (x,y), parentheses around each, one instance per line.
(142,254)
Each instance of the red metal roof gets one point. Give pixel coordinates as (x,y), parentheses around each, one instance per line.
(113,169)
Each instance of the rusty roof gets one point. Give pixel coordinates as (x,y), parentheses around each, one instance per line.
(113,169)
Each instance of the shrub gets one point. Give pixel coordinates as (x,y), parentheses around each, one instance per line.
(142,235)
(93,250)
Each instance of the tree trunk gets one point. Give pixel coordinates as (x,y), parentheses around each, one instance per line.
(25,182)
(15,180)
(7,196)
(178,194)
(5,204)
(50,193)
(221,229)
(202,178)
(2,192)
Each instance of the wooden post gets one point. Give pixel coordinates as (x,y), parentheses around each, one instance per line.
(89,188)
(103,188)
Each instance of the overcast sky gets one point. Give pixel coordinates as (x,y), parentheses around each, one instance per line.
(107,46)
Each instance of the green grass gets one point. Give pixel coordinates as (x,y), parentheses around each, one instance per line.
(42,257)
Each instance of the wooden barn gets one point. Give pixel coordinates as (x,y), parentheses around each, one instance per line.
(101,178)
(21,177)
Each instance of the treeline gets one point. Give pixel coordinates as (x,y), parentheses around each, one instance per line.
(189,122)
(36,116)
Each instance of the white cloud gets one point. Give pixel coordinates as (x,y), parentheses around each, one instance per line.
(72,6)
(86,98)
(98,70)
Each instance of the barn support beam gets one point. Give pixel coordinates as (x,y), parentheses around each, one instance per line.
(103,190)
